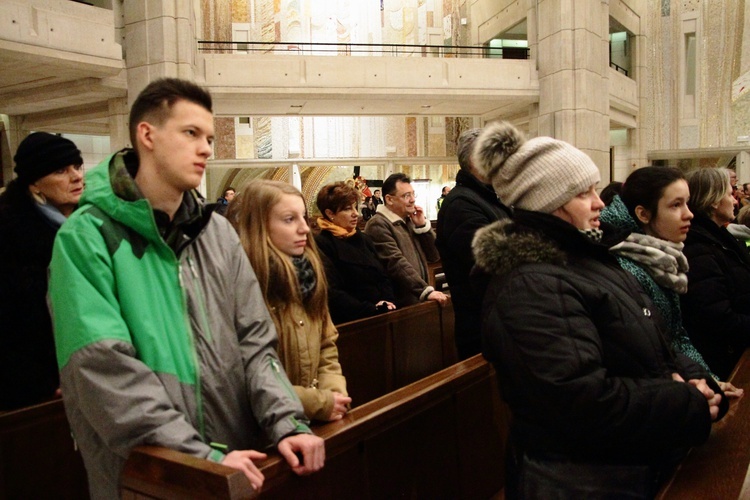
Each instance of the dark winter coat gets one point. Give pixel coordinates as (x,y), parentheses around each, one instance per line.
(28,367)
(356,278)
(716,307)
(469,206)
(580,358)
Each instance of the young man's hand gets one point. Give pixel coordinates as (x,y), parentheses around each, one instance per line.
(243,460)
(312,449)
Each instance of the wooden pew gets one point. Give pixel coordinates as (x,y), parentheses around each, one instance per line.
(719,468)
(440,437)
(37,455)
(379,355)
(386,352)
(154,472)
(436,277)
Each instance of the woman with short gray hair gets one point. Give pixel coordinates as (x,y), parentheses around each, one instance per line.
(716,307)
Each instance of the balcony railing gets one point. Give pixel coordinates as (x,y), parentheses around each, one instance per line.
(618,68)
(344,49)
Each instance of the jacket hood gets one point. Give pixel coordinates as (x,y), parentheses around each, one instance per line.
(502,246)
(111,187)
(617,214)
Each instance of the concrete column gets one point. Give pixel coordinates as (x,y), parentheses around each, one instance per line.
(743,166)
(573,58)
(295,179)
(389,169)
(13,135)
(119,135)
(159,41)
(643,138)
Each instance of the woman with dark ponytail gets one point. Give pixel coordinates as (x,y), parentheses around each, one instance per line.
(653,204)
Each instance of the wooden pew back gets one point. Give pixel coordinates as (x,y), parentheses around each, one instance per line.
(440,437)
(386,352)
(37,455)
(721,467)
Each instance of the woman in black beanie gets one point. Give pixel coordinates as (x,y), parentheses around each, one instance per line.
(32,209)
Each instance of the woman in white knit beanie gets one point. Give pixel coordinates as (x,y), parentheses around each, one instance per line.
(601,407)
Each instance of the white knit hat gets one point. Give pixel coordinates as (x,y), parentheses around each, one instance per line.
(540,174)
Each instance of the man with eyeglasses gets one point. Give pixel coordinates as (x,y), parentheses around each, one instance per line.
(404,242)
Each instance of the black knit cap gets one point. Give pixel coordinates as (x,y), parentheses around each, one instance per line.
(41,154)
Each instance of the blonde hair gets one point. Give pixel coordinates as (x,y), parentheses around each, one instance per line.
(707,187)
(743,217)
(249,214)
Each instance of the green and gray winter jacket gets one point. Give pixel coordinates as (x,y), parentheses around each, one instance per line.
(164,343)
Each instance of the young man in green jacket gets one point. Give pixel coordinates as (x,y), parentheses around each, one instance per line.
(163,337)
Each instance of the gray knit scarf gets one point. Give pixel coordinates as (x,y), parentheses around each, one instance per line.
(662,259)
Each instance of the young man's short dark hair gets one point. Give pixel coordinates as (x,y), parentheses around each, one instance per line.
(155,102)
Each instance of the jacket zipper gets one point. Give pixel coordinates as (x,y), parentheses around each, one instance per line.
(284,381)
(201,299)
(194,350)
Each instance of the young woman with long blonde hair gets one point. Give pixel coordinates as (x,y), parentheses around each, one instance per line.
(271,219)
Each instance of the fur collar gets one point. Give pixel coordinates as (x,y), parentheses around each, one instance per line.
(389,214)
(501,247)
(535,237)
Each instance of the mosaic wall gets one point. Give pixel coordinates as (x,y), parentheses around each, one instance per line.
(224,147)
(344,21)
(720,50)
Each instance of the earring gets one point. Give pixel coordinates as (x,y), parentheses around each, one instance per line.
(39,197)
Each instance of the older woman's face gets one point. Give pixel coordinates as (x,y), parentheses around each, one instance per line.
(62,188)
(347,217)
(724,210)
(583,210)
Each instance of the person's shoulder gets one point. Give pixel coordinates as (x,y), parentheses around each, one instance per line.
(700,238)
(325,240)
(377,221)
(218,229)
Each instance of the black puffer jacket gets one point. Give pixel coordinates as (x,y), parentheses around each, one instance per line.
(469,206)
(28,366)
(356,278)
(716,307)
(580,358)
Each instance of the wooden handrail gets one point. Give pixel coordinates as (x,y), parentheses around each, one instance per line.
(156,472)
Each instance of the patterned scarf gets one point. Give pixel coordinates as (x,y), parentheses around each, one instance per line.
(662,259)
(594,234)
(305,276)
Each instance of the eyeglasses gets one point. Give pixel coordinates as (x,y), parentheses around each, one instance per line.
(408,196)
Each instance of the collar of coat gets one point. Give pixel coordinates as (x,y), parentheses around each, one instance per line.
(703,228)
(389,214)
(535,237)
(395,219)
